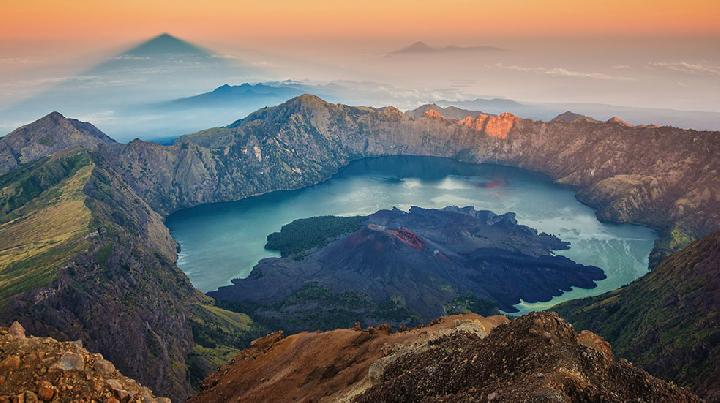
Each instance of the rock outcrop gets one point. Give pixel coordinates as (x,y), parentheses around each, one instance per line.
(667,322)
(329,366)
(494,126)
(36,369)
(459,358)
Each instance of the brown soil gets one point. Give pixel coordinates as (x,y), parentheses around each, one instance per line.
(335,365)
(537,357)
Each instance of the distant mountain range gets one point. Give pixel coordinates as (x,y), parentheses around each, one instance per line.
(232,97)
(235,95)
(699,120)
(422,48)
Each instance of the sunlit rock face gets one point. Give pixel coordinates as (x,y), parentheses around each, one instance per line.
(494,126)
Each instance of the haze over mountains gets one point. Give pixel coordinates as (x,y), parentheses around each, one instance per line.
(121,93)
(118,89)
(422,48)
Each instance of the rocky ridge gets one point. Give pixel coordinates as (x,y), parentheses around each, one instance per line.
(330,366)
(662,177)
(36,369)
(45,136)
(537,357)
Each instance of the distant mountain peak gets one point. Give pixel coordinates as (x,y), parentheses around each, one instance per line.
(570,117)
(418,46)
(421,47)
(54,115)
(164,44)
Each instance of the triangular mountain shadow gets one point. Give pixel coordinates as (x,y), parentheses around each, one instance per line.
(161,68)
(166,44)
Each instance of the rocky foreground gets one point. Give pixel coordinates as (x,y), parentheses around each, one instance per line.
(36,369)
(537,357)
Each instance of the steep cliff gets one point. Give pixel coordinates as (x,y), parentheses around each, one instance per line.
(663,177)
(667,322)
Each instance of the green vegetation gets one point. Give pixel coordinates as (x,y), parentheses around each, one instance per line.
(668,321)
(300,236)
(679,239)
(316,306)
(219,335)
(44,222)
(22,185)
(471,304)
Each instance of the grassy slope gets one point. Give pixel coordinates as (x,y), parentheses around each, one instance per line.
(219,335)
(44,221)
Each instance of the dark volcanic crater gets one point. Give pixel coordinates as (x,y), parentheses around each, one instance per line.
(403,268)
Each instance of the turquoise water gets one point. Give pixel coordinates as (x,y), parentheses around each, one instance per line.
(223,241)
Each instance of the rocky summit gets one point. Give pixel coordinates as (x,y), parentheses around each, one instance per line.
(537,357)
(36,369)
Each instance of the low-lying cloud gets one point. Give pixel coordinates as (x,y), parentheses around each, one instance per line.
(688,68)
(563,72)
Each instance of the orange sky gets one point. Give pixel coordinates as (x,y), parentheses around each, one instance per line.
(344,19)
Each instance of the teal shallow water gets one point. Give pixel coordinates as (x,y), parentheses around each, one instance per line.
(223,241)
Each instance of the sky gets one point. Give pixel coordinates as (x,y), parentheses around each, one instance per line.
(646,53)
(282,20)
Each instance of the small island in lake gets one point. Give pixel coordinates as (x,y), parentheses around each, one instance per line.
(402,268)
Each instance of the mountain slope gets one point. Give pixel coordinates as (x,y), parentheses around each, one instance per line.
(125,268)
(84,258)
(46,136)
(668,321)
(537,357)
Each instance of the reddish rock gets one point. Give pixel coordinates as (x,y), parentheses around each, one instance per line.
(10,362)
(46,391)
(433,114)
(16,330)
(500,126)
